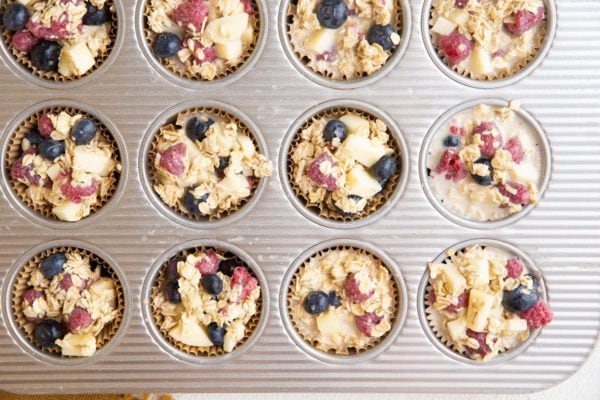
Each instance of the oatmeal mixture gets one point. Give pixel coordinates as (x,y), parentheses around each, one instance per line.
(67,36)
(205,38)
(342,299)
(69,303)
(485,163)
(342,164)
(487,39)
(207,164)
(344,39)
(484,301)
(207,300)
(65,164)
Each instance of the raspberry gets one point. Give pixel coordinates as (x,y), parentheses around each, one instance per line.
(366,322)
(524,21)
(76,193)
(327,56)
(172,159)
(57,30)
(513,146)
(248,8)
(517,194)
(463,300)
(31,295)
(67,282)
(490,143)
(79,319)
(431,297)
(191,14)
(208,53)
(352,286)
(329,182)
(480,337)
(458,130)
(209,264)
(455,46)
(451,164)
(538,316)
(460,3)
(251,182)
(499,53)
(514,267)
(24,173)
(242,277)
(45,126)
(24,41)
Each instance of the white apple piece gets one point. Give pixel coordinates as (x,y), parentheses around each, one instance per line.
(77,345)
(321,40)
(232,50)
(234,185)
(356,124)
(457,329)
(75,60)
(93,161)
(362,150)
(189,331)
(361,183)
(480,307)
(481,61)
(225,29)
(69,211)
(443,26)
(454,282)
(459,16)
(247,145)
(337,321)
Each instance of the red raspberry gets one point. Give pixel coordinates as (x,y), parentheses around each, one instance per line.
(480,337)
(67,282)
(524,21)
(242,277)
(57,30)
(514,268)
(514,147)
(458,130)
(209,53)
(521,193)
(79,319)
(251,182)
(455,46)
(499,53)
(329,182)
(172,159)
(538,316)
(431,297)
(76,193)
(209,264)
(490,143)
(31,295)
(366,322)
(327,56)
(24,41)
(248,8)
(191,14)
(461,3)
(24,173)
(353,292)
(463,300)
(451,164)
(45,126)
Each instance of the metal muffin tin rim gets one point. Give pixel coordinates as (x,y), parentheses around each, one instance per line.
(344,360)
(154,331)
(30,214)
(447,351)
(319,79)
(395,133)
(551,18)
(16,334)
(545,171)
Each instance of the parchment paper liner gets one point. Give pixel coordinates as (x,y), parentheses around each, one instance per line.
(347,350)
(177,67)
(19,286)
(305,59)
(218,114)
(14,151)
(212,351)
(23,58)
(327,209)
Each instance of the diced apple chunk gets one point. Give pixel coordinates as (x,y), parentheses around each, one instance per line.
(362,150)
(459,16)
(248,35)
(480,307)
(337,321)
(247,145)
(54,171)
(481,61)
(69,211)
(515,325)
(361,183)
(188,331)
(454,282)
(443,26)
(77,345)
(75,60)
(321,40)
(225,29)
(457,329)
(356,124)
(479,272)
(234,185)
(92,161)
(232,50)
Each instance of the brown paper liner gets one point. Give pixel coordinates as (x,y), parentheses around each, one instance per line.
(54,76)
(13,151)
(326,209)
(347,350)
(175,66)
(305,59)
(154,175)
(20,285)
(212,351)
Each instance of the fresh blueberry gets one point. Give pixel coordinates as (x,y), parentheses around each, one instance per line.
(166,44)
(15,17)
(216,334)
(34,137)
(451,141)
(381,35)
(485,180)
(335,129)
(191,202)
(95,15)
(334,300)
(354,198)
(223,163)
(520,299)
(172,292)
(332,13)
(51,149)
(84,131)
(383,169)
(45,55)
(316,302)
(172,274)
(52,265)
(228,265)
(212,284)
(46,332)
(196,128)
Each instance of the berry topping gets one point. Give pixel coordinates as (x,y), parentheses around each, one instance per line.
(76,193)
(172,273)
(166,44)
(480,337)
(486,179)
(47,332)
(320,171)
(366,322)
(514,147)
(84,131)
(334,300)
(191,14)
(45,125)
(58,28)
(538,316)
(212,284)
(455,46)
(15,17)
(24,41)
(524,20)
(516,192)
(451,141)
(79,319)
(452,166)
(316,302)
(460,3)
(514,268)
(172,159)
(24,173)
(220,170)
(31,295)
(53,265)
(66,282)
(34,137)
(335,129)
(332,13)
(51,149)
(352,286)
(458,130)
(520,299)
(491,139)
(196,128)
(209,264)
(216,334)
(227,266)
(383,169)
(381,35)
(95,15)
(190,201)
(45,55)
(462,302)
(172,292)
(242,277)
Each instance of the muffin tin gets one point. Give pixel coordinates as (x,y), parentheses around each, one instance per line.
(560,235)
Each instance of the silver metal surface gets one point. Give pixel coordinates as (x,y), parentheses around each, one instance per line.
(562,234)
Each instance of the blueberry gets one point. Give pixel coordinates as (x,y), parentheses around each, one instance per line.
(520,299)
(223,163)
(52,265)
(216,334)
(334,300)
(451,141)
(196,128)
(46,332)
(166,44)
(172,292)
(487,179)
(95,15)
(191,202)
(34,137)
(227,266)
(84,131)
(381,35)
(15,17)
(212,284)
(332,13)
(335,129)
(51,149)
(354,198)
(316,302)
(171,272)
(383,169)
(45,55)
